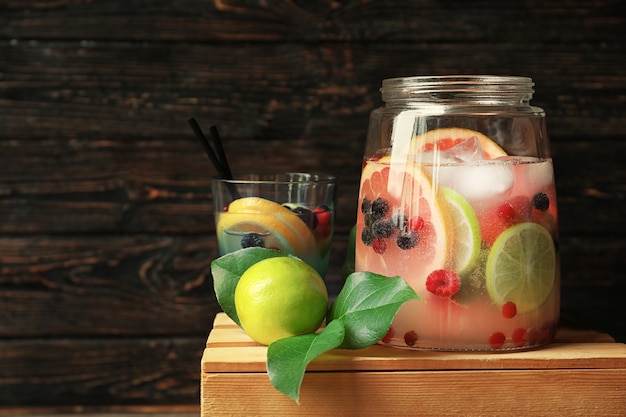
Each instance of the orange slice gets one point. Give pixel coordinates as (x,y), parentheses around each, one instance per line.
(409,193)
(284,229)
(446,138)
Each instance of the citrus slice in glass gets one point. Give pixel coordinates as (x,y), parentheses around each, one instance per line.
(418,242)
(465,231)
(521,267)
(283,229)
(445,138)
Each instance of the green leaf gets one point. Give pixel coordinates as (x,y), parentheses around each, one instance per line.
(367,305)
(227,270)
(288,358)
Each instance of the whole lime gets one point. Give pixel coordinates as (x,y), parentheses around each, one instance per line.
(280,297)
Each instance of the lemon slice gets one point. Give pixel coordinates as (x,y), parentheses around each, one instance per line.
(257,215)
(521,267)
(465,231)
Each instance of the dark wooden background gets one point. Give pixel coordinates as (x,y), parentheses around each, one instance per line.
(106,228)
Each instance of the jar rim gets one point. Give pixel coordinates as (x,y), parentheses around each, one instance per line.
(486,88)
(462,79)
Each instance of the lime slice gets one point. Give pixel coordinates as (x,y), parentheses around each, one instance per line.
(521,267)
(466,231)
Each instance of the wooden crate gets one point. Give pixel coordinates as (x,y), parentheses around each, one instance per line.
(582,373)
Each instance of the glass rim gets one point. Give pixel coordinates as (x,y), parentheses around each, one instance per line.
(278,178)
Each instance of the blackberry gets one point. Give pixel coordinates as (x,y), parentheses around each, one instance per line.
(307,216)
(382,228)
(367,236)
(366,205)
(541,201)
(380,208)
(251,240)
(407,239)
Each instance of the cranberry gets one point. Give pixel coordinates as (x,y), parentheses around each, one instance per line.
(410,338)
(390,334)
(379,245)
(496,340)
(519,337)
(506,212)
(509,310)
(415,224)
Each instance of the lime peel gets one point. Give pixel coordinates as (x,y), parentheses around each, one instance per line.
(521,267)
(465,230)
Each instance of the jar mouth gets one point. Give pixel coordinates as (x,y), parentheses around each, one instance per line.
(442,86)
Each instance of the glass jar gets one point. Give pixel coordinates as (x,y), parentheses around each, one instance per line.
(457,196)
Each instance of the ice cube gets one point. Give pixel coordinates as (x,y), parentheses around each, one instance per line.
(429,158)
(467,151)
(532,175)
(482,183)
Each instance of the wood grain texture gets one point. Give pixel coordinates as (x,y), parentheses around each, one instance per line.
(97,371)
(291,90)
(106,229)
(367,393)
(564,378)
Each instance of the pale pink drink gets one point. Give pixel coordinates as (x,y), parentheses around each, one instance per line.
(462,205)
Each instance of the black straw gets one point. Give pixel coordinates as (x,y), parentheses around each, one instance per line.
(220,151)
(217,156)
(204,141)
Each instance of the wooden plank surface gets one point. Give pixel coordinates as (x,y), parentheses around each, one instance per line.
(583,392)
(229,349)
(565,378)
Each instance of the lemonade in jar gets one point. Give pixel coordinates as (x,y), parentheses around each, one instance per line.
(457,196)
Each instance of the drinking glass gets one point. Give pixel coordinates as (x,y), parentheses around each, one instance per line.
(293,212)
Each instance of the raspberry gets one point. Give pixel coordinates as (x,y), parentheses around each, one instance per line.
(541,201)
(410,338)
(509,310)
(496,340)
(443,283)
(379,245)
